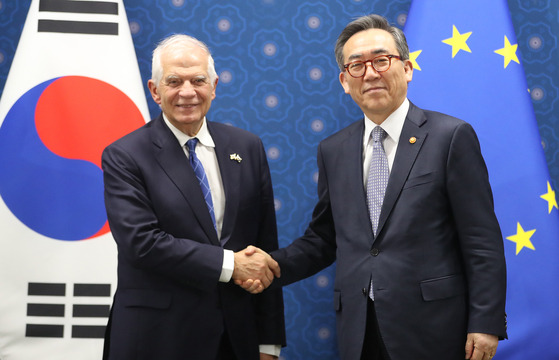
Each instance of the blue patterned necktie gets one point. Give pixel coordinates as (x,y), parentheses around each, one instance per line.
(378,177)
(376,182)
(201,176)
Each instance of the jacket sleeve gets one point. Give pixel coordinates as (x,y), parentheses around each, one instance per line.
(137,230)
(480,237)
(316,249)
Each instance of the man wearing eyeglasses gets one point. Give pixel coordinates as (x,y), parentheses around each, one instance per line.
(406,209)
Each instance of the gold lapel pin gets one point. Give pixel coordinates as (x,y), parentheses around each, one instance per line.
(413,140)
(235,157)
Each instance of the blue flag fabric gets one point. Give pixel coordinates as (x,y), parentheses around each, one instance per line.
(466,64)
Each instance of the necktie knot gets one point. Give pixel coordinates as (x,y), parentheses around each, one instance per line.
(378,134)
(191,145)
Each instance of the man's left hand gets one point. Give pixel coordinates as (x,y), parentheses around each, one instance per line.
(481,346)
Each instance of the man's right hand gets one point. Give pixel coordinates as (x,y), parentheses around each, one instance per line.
(254,269)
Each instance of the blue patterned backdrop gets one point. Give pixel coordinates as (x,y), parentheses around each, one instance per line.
(278,79)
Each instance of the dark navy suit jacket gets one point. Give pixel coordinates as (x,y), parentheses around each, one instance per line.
(437,263)
(169,303)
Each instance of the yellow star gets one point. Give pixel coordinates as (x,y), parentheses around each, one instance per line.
(550,198)
(508,52)
(522,238)
(413,59)
(458,41)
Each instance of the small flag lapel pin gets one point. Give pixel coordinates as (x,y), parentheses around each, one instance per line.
(235,157)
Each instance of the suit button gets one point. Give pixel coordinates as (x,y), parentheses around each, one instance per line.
(375,251)
(364,290)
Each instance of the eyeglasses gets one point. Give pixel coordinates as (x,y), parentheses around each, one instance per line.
(380,63)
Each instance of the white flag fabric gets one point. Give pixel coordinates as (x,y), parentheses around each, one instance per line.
(73,88)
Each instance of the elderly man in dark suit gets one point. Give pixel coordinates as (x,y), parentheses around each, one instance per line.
(184,196)
(406,209)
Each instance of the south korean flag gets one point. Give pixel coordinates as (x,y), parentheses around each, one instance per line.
(73,88)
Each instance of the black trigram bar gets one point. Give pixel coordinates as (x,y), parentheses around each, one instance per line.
(88,331)
(92,289)
(54,310)
(48,331)
(94,311)
(78,27)
(82,7)
(46,289)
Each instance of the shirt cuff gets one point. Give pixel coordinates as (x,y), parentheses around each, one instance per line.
(273,350)
(228,266)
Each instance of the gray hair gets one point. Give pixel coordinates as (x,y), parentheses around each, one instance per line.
(178,41)
(367,22)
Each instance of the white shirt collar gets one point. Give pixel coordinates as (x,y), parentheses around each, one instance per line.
(392,125)
(203,134)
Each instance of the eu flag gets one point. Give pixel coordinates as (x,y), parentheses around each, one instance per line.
(467,65)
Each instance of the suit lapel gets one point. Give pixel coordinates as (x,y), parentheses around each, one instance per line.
(406,154)
(351,164)
(230,176)
(172,159)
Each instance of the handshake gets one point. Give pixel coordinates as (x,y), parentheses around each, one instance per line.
(254,269)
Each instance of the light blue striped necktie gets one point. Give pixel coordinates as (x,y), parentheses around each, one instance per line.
(201,176)
(376,182)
